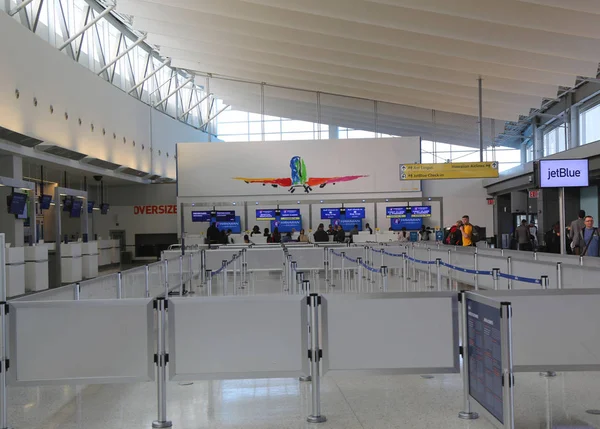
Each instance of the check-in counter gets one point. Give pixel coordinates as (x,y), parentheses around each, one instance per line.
(15,271)
(71,262)
(105,252)
(89,258)
(115,252)
(36,268)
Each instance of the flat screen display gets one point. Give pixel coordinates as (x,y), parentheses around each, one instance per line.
(67,203)
(225,216)
(45,201)
(349,224)
(290,213)
(16,203)
(330,213)
(286,225)
(104,208)
(485,357)
(201,216)
(76,207)
(90,206)
(235,226)
(265,214)
(355,213)
(411,224)
(564,173)
(395,212)
(421,211)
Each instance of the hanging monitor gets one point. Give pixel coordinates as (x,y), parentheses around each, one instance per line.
(330,213)
(355,213)
(90,206)
(45,201)
(564,173)
(201,216)
(104,208)
(16,203)
(76,207)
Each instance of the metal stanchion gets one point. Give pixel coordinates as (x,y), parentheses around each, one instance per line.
(326,265)
(208,277)
(545,282)
(466,414)
(384,278)
(295,285)
(429,282)
(147,280)
(224,276)
(414,265)
(535,256)
(300,279)
(372,263)
(166,277)
(360,274)
(161,358)
(509,270)
(343,272)
(76,291)
(476,262)
(581,261)
(191,265)
(4,363)
(405,272)
(203,266)
(438,273)
(315,357)
(181,275)
(495,275)
(559,274)
(235,268)
(119,285)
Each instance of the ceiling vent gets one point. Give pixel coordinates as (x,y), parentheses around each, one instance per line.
(133,172)
(18,138)
(61,152)
(101,163)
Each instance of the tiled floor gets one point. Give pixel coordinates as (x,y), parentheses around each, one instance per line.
(349,401)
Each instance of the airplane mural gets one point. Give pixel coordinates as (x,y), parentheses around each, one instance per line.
(299,178)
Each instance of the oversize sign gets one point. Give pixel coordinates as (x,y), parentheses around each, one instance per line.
(451,170)
(155,210)
(564,173)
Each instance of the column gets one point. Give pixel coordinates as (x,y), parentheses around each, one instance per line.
(334,132)
(538,141)
(574,139)
(11,166)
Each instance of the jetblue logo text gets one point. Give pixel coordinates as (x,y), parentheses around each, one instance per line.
(563,172)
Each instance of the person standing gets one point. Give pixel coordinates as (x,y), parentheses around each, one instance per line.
(588,239)
(576,227)
(552,239)
(368,228)
(303,238)
(455,236)
(321,235)
(466,230)
(213,234)
(523,236)
(341,235)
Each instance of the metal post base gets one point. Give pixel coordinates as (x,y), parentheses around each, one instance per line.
(548,374)
(468,416)
(316,419)
(305,378)
(157,424)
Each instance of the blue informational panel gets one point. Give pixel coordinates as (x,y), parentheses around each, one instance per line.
(485,357)
(439,236)
(235,226)
(421,211)
(330,213)
(355,213)
(201,216)
(287,225)
(411,224)
(290,213)
(395,212)
(226,216)
(348,224)
(265,214)
(414,236)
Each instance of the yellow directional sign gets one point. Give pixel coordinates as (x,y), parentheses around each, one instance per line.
(451,170)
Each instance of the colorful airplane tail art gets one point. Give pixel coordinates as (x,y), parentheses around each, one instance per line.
(299,178)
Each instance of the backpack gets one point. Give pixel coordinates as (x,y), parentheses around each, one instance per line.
(476,234)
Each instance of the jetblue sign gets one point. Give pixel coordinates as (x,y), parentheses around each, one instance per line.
(563,173)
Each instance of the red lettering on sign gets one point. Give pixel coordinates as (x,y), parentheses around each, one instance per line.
(136,210)
(152,210)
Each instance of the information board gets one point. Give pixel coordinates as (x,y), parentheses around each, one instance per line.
(411,224)
(200,216)
(485,357)
(355,213)
(450,170)
(287,225)
(225,216)
(265,214)
(290,213)
(349,224)
(235,226)
(562,173)
(330,213)
(421,211)
(395,212)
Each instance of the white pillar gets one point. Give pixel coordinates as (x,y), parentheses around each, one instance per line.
(574,139)
(11,166)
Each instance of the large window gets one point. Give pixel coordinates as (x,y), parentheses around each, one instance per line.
(437,153)
(590,125)
(555,140)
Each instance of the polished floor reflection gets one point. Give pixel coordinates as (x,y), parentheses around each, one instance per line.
(349,402)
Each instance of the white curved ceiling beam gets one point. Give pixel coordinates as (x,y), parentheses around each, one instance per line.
(587,6)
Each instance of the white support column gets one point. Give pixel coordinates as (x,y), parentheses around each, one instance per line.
(574,137)
(12,166)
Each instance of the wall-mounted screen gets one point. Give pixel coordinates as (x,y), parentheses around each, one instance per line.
(104,208)
(67,203)
(355,213)
(235,226)
(395,212)
(349,224)
(330,213)
(290,213)
(564,173)
(76,207)
(421,211)
(411,224)
(286,225)
(45,201)
(225,216)
(90,206)
(201,216)
(265,214)
(16,203)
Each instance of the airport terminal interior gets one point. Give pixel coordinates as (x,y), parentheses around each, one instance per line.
(261,214)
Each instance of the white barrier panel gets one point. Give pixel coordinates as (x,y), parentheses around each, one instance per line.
(265,259)
(215,258)
(64,293)
(221,338)
(156,279)
(408,333)
(104,287)
(351,252)
(310,258)
(575,277)
(554,330)
(81,342)
(524,268)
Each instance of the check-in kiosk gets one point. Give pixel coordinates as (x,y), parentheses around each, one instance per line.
(15,271)
(89,253)
(36,268)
